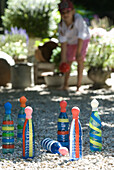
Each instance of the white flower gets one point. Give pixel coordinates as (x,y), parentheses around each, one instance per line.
(7,44)
(22,56)
(24,44)
(98,32)
(17,44)
(25,50)
(20,41)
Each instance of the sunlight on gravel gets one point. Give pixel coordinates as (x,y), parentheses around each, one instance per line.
(45,104)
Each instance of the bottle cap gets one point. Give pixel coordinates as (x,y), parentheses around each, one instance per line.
(75,112)
(28,111)
(63,105)
(23,101)
(94,105)
(63,150)
(7,107)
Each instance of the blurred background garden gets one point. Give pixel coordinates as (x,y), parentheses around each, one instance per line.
(24,25)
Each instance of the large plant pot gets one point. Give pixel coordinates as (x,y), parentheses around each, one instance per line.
(6,62)
(22,75)
(54,80)
(99,77)
(4,72)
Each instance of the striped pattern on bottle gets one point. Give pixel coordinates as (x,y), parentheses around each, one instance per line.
(28,139)
(21,120)
(95,132)
(63,133)
(51,145)
(8,137)
(75,140)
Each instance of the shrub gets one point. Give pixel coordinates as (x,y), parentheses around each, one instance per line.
(101,49)
(15,43)
(35,16)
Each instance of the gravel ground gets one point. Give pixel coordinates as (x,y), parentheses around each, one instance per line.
(45,104)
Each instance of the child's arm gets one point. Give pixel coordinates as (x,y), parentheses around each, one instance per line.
(79,48)
(63,51)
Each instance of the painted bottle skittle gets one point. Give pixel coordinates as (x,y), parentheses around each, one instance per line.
(63,126)
(7,131)
(75,136)
(28,135)
(53,146)
(21,118)
(95,128)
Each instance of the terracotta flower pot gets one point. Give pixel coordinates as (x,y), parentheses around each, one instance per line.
(6,61)
(5,74)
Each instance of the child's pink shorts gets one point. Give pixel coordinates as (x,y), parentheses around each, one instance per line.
(71,50)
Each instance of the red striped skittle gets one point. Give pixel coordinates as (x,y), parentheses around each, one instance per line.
(77,138)
(24,137)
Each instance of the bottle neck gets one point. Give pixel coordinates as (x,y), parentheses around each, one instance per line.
(94,109)
(28,118)
(8,112)
(63,110)
(7,117)
(23,105)
(76,118)
(22,110)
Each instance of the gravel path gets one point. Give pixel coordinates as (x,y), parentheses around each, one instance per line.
(45,103)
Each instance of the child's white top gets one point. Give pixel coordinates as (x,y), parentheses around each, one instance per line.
(71,35)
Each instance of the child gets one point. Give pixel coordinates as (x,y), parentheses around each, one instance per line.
(74,37)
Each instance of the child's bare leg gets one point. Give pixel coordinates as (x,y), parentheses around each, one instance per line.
(65,86)
(80,73)
(67,74)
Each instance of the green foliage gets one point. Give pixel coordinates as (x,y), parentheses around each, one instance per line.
(74,67)
(96,6)
(41,42)
(56,57)
(85,13)
(35,16)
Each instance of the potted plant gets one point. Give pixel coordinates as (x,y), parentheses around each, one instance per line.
(15,44)
(39,18)
(100,56)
